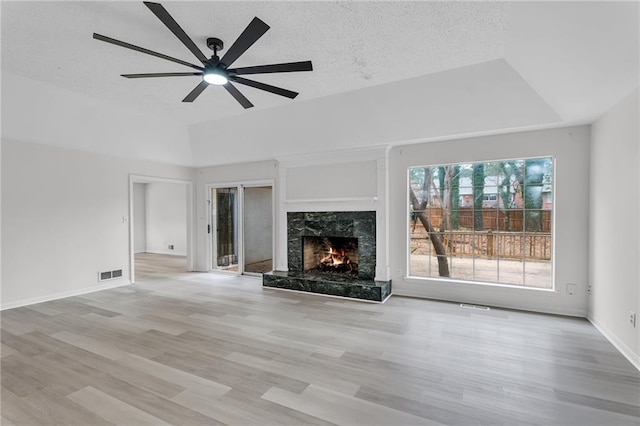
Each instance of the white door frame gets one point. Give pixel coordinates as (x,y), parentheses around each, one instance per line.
(190,209)
(240,188)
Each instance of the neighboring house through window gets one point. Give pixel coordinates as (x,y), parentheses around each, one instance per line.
(488,222)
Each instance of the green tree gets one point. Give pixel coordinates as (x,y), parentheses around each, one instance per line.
(426,186)
(533,175)
(478,195)
(441,182)
(455,196)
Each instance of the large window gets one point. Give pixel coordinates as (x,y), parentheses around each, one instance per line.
(488,222)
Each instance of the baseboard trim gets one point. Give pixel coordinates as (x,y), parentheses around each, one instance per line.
(578,313)
(62,295)
(168,253)
(625,350)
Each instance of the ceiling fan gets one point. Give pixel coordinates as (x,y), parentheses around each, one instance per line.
(215,70)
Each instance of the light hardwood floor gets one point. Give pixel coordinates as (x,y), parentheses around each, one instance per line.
(184,348)
(150,266)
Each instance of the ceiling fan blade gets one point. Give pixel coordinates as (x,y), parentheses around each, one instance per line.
(238,96)
(269,88)
(264,69)
(143,50)
(171,23)
(250,35)
(161,74)
(196,92)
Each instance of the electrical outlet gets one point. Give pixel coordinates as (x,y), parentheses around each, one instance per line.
(170,246)
(632,319)
(571,289)
(589,288)
(399,272)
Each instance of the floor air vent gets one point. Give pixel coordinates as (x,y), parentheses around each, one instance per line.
(110,275)
(476,307)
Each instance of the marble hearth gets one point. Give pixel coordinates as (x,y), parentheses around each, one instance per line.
(357,225)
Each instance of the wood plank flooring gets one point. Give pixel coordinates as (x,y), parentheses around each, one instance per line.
(151,266)
(207,349)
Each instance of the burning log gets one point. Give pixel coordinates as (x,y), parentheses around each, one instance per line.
(337,261)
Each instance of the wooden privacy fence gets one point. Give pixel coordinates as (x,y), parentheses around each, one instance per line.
(493,219)
(512,245)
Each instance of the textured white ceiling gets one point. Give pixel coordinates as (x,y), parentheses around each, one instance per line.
(352,45)
(549,63)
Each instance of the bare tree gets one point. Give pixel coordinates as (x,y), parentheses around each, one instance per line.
(434,236)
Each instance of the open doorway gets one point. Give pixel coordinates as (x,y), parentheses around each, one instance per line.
(160,227)
(258,229)
(242,228)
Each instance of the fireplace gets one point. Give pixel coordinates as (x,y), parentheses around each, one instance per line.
(354,232)
(332,255)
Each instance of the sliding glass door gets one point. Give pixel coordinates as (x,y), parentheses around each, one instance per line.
(225,244)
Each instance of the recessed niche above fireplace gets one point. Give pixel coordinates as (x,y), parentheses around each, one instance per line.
(331,253)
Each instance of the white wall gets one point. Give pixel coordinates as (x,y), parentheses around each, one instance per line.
(139,218)
(74,120)
(166,218)
(570,147)
(614,243)
(65,218)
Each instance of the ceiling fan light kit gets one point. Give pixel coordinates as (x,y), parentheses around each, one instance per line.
(216,78)
(215,70)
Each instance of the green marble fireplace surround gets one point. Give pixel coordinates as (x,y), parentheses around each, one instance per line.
(355,224)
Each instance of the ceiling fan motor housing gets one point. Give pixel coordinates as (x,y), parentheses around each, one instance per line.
(215,44)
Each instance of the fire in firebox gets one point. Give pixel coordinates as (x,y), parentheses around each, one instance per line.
(337,255)
(337,260)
